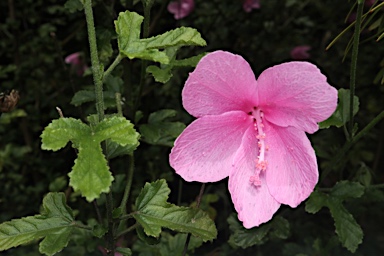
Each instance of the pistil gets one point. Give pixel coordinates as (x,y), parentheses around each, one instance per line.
(260,162)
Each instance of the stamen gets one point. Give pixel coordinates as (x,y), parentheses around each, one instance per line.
(260,162)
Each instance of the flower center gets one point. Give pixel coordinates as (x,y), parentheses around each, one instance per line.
(261,164)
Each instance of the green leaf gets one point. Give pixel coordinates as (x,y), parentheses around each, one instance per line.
(60,131)
(161,133)
(278,227)
(118,129)
(347,189)
(124,251)
(73,5)
(182,36)
(84,96)
(153,213)
(90,175)
(164,73)
(55,224)
(341,115)
(349,232)
(315,202)
(128,30)
(161,115)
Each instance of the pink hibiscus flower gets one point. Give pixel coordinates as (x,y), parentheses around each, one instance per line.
(249,5)
(301,52)
(181,8)
(253,131)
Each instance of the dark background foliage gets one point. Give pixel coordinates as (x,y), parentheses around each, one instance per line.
(36,36)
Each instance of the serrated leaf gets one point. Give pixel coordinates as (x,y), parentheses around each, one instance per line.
(349,232)
(90,175)
(278,227)
(153,213)
(60,131)
(178,37)
(55,224)
(118,129)
(128,28)
(347,189)
(341,115)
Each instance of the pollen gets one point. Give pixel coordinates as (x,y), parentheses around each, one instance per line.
(260,162)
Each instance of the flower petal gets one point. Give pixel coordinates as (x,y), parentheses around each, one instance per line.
(291,172)
(221,82)
(254,205)
(204,151)
(296,94)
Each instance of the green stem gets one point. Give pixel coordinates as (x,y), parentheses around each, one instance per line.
(123,205)
(96,68)
(350,143)
(355,51)
(118,104)
(198,201)
(376,186)
(119,57)
(82,226)
(127,230)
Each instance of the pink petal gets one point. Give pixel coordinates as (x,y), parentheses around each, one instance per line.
(254,205)
(205,149)
(181,8)
(291,172)
(296,94)
(221,82)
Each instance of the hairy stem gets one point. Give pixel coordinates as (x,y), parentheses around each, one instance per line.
(123,205)
(96,68)
(112,66)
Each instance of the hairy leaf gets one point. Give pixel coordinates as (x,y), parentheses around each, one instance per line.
(153,213)
(90,175)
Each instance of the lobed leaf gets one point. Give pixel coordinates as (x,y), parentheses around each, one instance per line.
(127,28)
(244,238)
(60,131)
(55,224)
(153,213)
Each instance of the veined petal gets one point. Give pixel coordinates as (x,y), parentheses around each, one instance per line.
(292,171)
(254,204)
(221,82)
(204,151)
(296,94)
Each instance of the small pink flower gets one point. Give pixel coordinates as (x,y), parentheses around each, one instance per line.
(77,63)
(253,131)
(181,8)
(301,52)
(249,5)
